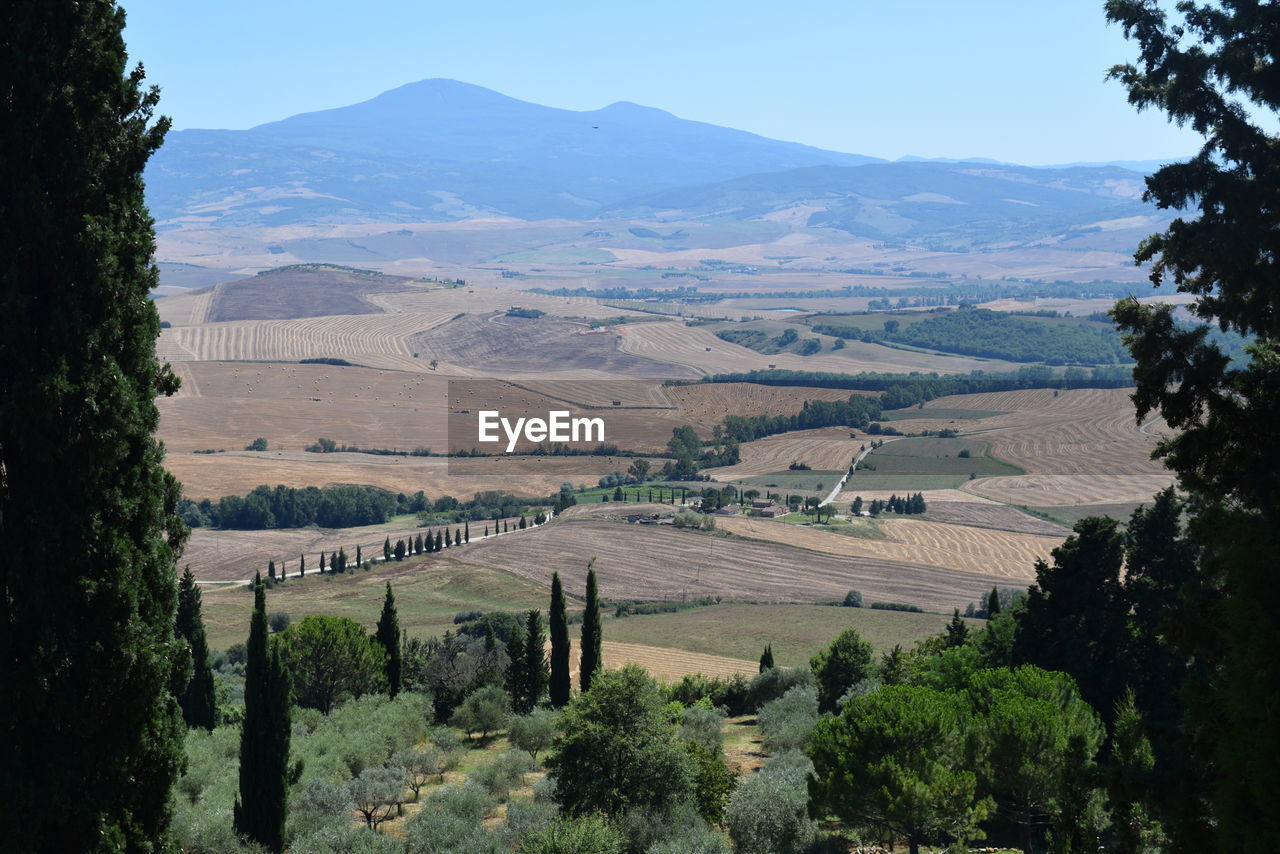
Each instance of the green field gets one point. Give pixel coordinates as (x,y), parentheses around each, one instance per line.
(871,481)
(812,481)
(938,456)
(1070,514)
(913,412)
(426,598)
(867,529)
(796,631)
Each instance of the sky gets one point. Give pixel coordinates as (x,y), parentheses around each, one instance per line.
(1022,81)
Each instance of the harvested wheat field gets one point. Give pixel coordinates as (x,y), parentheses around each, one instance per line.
(663,663)
(699,348)
(951,547)
(216,475)
(1078,431)
(931,496)
(709,403)
(225,405)
(499,344)
(481,300)
(998,517)
(821,449)
(1053,490)
(379,340)
(659,562)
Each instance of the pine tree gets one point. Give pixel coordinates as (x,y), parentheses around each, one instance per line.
(766,658)
(592,660)
(535,663)
(386,549)
(993,603)
(200,701)
(86,641)
(262,802)
(515,680)
(559,685)
(388,635)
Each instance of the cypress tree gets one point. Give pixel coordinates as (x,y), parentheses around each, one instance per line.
(515,680)
(957,630)
(90,664)
(766,658)
(342,560)
(359,556)
(457,536)
(418,548)
(466,532)
(591,648)
(399,550)
(271,570)
(559,685)
(993,603)
(523,523)
(386,549)
(448,539)
(535,663)
(322,563)
(262,803)
(199,702)
(388,635)
(486,530)
(439,541)
(302,565)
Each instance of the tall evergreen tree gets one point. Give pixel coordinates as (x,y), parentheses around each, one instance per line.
(271,570)
(322,563)
(388,635)
(1212,66)
(957,630)
(466,531)
(766,658)
(993,603)
(516,678)
(302,565)
(592,659)
(559,623)
(535,663)
(439,541)
(262,803)
(87,648)
(386,549)
(359,556)
(200,701)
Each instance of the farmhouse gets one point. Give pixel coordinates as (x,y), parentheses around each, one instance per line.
(767,508)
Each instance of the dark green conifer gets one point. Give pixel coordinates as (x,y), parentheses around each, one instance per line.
(993,603)
(766,658)
(89,719)
(388,635)
(559,623)
(592,660)
(262,802)
(200,701)
(386,549)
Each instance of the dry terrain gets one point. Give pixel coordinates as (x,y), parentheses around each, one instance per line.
(709,403)
(1048,490)
(301,291)
(911,541)
(995,516)
(658,562)
(821,449)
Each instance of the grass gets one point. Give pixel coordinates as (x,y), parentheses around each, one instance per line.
(426,598)
(1070,514)
(953,414)
(797,632)
(874,481)
(938,456)
(808,480)
(865,528)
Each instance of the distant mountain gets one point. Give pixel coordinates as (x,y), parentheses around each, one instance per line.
(943,205)
(443,150)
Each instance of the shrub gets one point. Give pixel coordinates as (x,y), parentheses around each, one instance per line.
(703,724)
(525,817)
(774,682)
(344,839)
(503,774)
(535,731)
(435,832)
(484,711)
(587,835)
(278,621)
(788,721)
(853,599)
(768,813)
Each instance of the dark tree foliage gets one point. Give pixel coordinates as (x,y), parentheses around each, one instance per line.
(841,666)
(533,672)
(766,658)
(1213,66)
(91,669)
(591,637)
(1074,618)
(388,636)
(262,803)
(200,700)
(559,685)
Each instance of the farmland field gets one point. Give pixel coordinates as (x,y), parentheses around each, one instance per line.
(829,449)
(660,563)
(1051,490)
(937,456)
(952,547)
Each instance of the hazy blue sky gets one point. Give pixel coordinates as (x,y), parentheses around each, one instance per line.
(1017,80)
